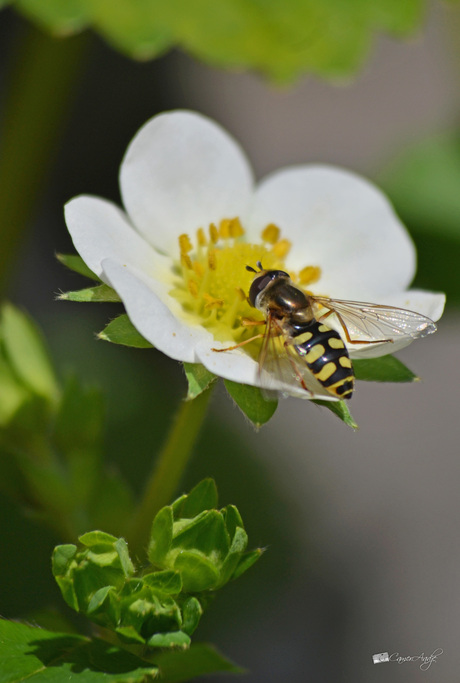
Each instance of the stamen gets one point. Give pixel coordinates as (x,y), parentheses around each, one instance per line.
(271,233)
(236,229)
(201,237)
(184,244)
(212,302)
(309,275)
(192,288)
(282,248)
(224,228)
(213,233)
(185,260)
(212,259)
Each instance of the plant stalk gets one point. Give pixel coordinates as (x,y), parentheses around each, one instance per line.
(169,468)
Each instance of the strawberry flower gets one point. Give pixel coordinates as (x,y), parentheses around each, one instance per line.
(194,218)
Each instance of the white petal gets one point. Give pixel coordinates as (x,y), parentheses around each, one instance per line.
(238,366)
(182,171)
(342,223)
(151,311)
(100,230)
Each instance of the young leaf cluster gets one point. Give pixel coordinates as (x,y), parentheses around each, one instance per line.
(194,549)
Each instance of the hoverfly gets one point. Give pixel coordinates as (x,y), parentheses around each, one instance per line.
(298,345)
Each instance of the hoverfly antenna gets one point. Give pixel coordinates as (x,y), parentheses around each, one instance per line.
(259,266)
(251,269)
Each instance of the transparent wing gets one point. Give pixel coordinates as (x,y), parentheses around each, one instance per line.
(282,370)
(374,321)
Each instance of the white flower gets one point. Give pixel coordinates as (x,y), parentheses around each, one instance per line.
(194,219)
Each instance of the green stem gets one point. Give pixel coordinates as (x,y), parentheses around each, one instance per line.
(41,80)
(169,468)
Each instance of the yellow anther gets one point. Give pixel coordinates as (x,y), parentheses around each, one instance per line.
(185,244)
(213,233)
(201,237)
(192,288)
(271,233)
(309,274)
(198,269)
(185,260)
(235,227)
(240,293)
(224,228)
(212,302)
(212,259)
(281,248)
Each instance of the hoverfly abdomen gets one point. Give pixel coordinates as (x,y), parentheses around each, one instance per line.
(325,355)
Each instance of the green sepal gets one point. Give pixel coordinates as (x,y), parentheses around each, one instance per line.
(202,497)
(76,263)
(205,533)
(232,519)
(252,402)
(167,582)
(197,572)
(99,293)
(341,409)
(191,615)
(198,378)
(173,639)
(382,369)
(247,560)
(238,546)
(161,536)
(120,330)
(99,539)
(63,555)
(25,351)
(128,634)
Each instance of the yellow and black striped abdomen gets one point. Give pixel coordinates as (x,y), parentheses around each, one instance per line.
(325,355)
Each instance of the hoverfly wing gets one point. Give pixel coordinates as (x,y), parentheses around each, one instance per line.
(374,321)
(282,370)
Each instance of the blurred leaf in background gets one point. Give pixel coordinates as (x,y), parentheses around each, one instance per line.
(281,38)
(424,184)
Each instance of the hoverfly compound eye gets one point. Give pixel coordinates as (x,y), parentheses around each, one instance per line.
(262,281)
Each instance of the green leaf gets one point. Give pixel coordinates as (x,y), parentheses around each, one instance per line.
(202,497)
(252,402)
(341,409)
(173,639)
(98,539)
(191,615)
(383,369)
(198,378)
(76,263)
(25,350)
(31,654)
(206,533)
(161,536)
(98,294)
(197,572)
(168,582)
(281,39)
(247,560)
(120,330)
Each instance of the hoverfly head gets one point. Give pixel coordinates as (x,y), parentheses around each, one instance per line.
(263,279)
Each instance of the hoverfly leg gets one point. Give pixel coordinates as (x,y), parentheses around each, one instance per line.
(243,343)
(250,322)
(297,374)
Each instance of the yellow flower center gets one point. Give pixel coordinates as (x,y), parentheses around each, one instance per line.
(211,280)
